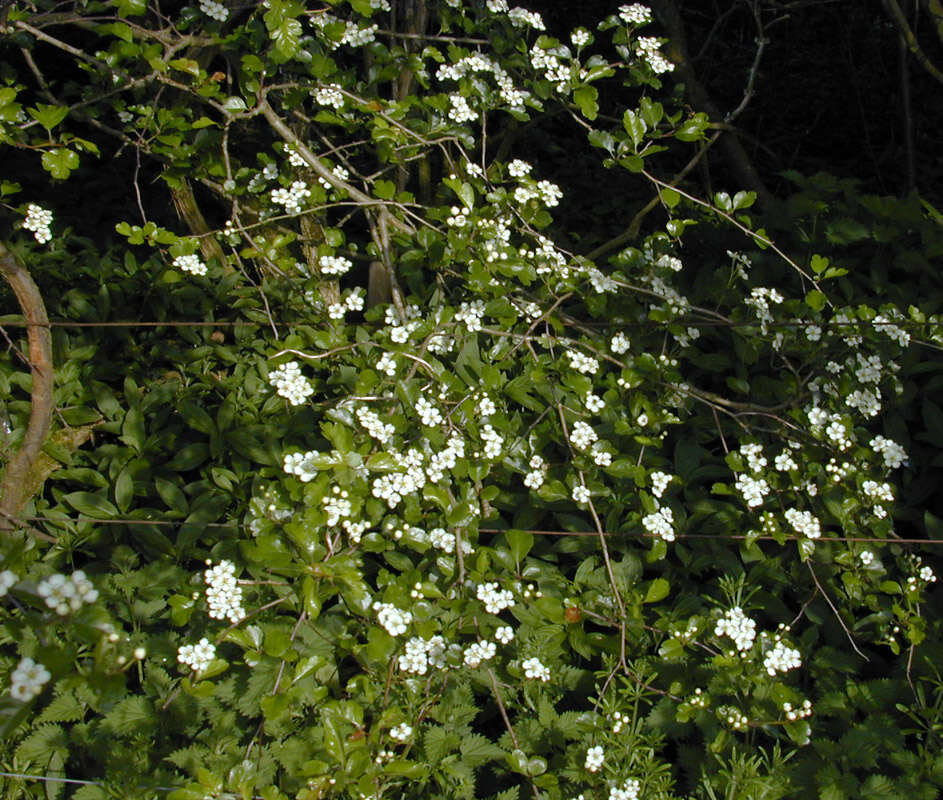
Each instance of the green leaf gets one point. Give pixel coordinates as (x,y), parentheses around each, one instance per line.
(172,496)
(287,38)
(635,126)
(385,190)
(815,300)
(520,542)
(130,8)
(60,162)
(91,504)
(48,116)
(658,589)
(670,197)
(587,97)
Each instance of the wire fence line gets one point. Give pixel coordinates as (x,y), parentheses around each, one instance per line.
(494,531)
(902,323)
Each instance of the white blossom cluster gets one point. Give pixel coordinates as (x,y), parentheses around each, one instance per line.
(600,282)
(628,791)
(445,541)
(582,435)
(553,68)
(660,481)
(292,197)
(38,220)
(290,383)
(784,462)
(803,711)
(353,301)
(518,168)
(495,599)
(601,456)
(28,679)
(538,470)
(635,14)
(738,626)
(329,95)
(648,47)
(223,594)
(884,324)
(759,299)
(595,757)
(460,111)
(752,489)
(401,732)
(753,453)
(214,10)
(393,619)
(804,523)
(190,263)
(486,406)
(339,172)
(421,653)
(64,594)
(582,363)
(545,192)
(446,458)
(493,441)
(336,505)
(660,524)
(301,464)
(471,314)
(394,486)
(894,454)
(8,580)
(378,429)
(521,17)
(476,62)
(334,265)
(781,659)
(429,415)
(479,651)
(355,36)
(533,668)
(197,656)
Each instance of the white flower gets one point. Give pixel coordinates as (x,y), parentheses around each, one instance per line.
(330,96)
(429,415)
(292,197)
(518,168)
(191,264)
(495,599)
(635,14)
(334,265)
(290,383)
(595,757)
(38,220)
(867,558)
(620,343)
(401,732)
(781,659)
(582,435)
(894,454)
(738,627)
(581,494)
(581,363)
(594,402)
(215,10)
(393,619)
(67,594)
(478,652)
(752,489)
(197,656)
(504,634)
(28,679)
(659,524)
(803,522)
(534,669)
(460,110)
(580,37)
(784,462)
(8,580)
(628,791)
(486,406)
(660,481)
(223,595)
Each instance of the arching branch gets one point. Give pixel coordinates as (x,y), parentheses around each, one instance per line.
(14,493)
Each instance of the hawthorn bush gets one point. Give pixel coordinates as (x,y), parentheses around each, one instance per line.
(360,485)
